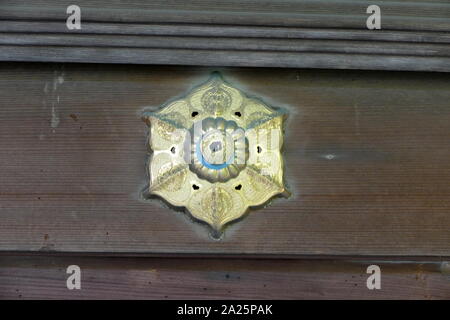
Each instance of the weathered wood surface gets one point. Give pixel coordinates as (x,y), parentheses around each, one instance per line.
(366,161)
(306,34)
(128,278)
(399,15)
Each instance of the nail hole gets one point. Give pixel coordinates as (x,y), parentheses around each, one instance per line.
(194,114)
(195,187)
(172,150)
(259,149)
(238,114)
(238,187)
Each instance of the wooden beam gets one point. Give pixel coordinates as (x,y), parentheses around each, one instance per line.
(44,277)
(306,34)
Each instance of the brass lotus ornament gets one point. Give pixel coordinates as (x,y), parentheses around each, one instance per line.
(216,152)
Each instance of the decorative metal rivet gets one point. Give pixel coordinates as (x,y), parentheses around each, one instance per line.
(216,152)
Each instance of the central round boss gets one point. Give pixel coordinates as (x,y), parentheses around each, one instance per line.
(219,149)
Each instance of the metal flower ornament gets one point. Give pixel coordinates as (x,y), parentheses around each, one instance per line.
(216,152)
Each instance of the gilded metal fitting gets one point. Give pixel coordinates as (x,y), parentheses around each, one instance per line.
(216,152)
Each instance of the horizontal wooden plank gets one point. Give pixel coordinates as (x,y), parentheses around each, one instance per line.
(408,15)
(414,34)
(222,31)
(366,162)
(220,58)
(128,278)
(214,44)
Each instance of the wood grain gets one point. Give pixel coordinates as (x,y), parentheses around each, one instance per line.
(366,161)
(407,15)
(222,58)
(218,31)
(299,34)
(128,278)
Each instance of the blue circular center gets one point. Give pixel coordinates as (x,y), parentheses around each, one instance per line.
(209,165)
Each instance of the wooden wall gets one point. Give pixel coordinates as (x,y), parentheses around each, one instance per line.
(366,152)
(366,162)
